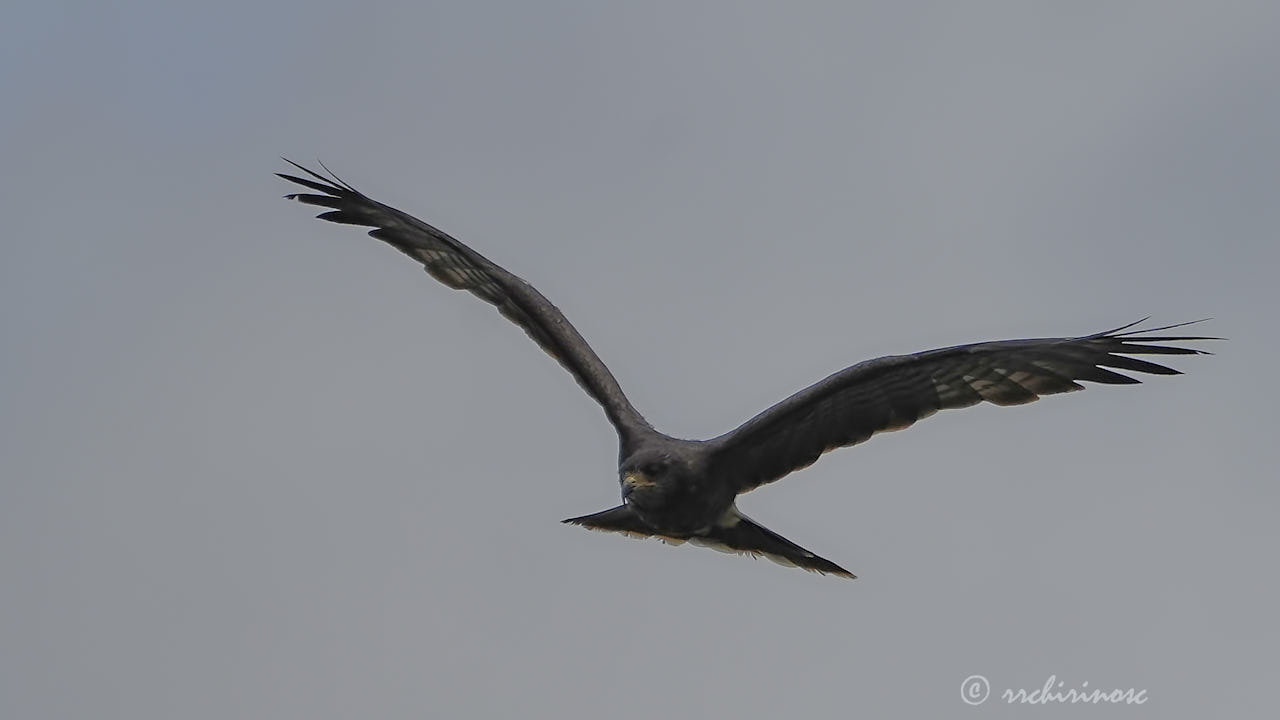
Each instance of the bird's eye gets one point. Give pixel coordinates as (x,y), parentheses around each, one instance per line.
(653,469)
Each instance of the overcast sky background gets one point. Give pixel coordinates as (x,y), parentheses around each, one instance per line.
(255,465)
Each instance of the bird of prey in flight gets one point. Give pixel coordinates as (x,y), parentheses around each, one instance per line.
(685,490)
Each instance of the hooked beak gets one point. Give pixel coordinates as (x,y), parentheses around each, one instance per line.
(633,480)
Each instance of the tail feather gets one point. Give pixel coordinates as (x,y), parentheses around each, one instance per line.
(735,533)
(740,534)
(621,519)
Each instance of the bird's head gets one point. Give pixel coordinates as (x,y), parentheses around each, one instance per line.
(670,488)
(651,480)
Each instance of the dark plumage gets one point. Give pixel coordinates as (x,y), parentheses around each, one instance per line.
(682,490)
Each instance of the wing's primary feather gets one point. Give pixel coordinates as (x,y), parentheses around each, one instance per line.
(462,268)
(891,393)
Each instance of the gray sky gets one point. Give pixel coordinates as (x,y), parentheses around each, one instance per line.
(259,466)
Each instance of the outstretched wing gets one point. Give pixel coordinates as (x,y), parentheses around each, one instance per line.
(462,268)
(891,393)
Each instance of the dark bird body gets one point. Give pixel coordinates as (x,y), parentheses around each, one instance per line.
(684,490)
